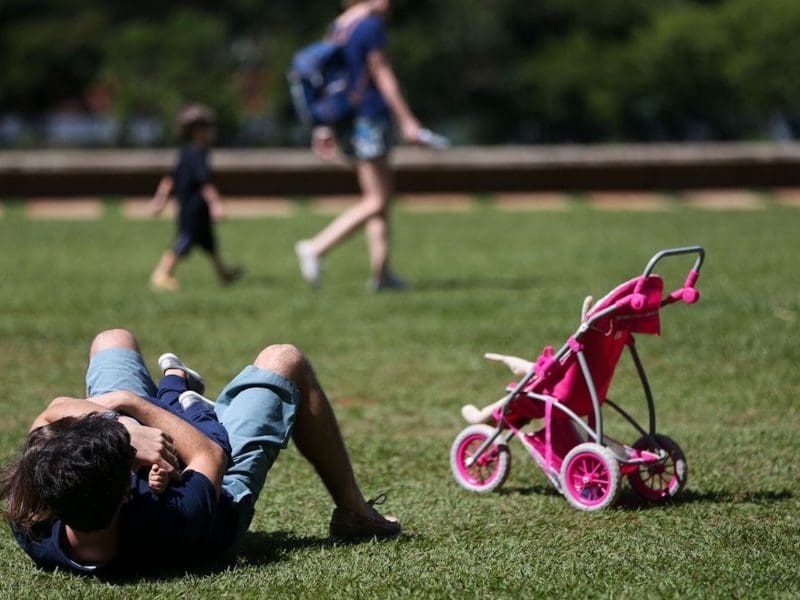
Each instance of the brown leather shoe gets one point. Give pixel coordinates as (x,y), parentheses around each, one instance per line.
(347,526)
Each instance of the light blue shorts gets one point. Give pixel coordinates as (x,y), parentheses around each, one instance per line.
(119,369)
(257,409)
(365,138)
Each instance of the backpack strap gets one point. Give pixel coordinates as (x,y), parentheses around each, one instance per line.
(340,36)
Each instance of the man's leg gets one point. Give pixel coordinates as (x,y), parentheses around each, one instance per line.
(116,363)
(113,338)
(316,431)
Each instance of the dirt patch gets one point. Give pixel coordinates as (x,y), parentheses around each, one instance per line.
(629,201)
(138,208)
(724,200)
(259,206)
(331,205)
(72,209)
(788,197)
(425,203)
(531,201)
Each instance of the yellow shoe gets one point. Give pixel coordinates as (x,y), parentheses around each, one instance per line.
(164,282)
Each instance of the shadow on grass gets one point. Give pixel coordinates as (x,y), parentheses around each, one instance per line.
(514,284)
(255,548)
(630,500)
(531,490)
(263,548)
(255,280)
(740,497)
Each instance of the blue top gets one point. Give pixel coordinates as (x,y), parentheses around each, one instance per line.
(185,522)
(369,34)
(189,176)
(199,414)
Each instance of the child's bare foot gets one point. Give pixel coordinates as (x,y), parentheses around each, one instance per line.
(164,282)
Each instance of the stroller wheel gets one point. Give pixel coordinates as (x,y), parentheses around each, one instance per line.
(660,481)
(590,477)
(490,471)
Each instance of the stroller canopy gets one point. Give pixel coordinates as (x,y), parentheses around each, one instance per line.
(638,303)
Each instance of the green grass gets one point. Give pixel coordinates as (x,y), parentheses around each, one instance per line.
(399,366)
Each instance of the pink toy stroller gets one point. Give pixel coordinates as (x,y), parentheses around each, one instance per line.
(567,389)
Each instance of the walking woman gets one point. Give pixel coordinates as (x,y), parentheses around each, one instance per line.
(366,140)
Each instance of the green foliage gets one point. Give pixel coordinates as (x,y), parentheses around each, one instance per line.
(155,68)
(506,70)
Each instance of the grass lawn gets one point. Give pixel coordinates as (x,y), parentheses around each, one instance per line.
(398,367)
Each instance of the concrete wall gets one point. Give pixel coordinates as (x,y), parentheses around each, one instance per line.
(293,172)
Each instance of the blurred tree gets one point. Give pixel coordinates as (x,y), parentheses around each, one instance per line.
(47,55)
(500,71)
(154,68)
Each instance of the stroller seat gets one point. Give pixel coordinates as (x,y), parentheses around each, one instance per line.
(638,303)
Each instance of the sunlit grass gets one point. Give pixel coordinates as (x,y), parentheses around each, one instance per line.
(399,366)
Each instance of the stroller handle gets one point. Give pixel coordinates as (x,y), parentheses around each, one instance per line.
(687,293)
(698,263)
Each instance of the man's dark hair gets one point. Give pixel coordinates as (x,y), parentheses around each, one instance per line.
(24,507)
(83,473)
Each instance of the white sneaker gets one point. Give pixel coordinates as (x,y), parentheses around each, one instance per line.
(194,381)
(189,397)
(310,264)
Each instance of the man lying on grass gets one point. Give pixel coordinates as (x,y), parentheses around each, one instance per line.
(78,497)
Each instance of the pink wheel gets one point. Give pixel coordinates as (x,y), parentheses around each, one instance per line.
(490,471)
(590,477)
(659,481)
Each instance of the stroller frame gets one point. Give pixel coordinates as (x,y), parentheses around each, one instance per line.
(649,456)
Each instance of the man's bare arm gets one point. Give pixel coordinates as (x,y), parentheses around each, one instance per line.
(152,445)
(197,451)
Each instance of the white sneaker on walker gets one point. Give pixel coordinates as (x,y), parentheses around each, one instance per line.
(310,264)
(189,397)
(193,379)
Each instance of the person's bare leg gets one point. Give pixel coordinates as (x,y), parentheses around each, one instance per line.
(162,277)
(377,228)
(316,431)
(166,264)
(113,338)
(372,178)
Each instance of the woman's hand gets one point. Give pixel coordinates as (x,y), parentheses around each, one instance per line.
(153,446)
(411,129)
(323,143)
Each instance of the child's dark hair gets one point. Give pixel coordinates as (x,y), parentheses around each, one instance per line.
(194,117)
(76,469)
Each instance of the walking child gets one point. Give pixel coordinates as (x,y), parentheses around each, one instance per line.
(199,200)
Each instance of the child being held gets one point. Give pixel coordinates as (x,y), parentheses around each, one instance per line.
(182,396)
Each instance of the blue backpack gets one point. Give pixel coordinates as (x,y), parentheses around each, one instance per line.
(322,90)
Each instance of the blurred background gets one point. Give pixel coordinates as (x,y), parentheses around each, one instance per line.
(112,73)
